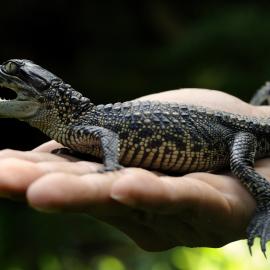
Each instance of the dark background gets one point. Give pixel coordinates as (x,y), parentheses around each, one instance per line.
(114,51)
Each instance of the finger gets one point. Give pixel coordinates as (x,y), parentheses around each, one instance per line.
(136,183)
(228,185)
(48,146)
(29,155)
(69,192)
(145,190)
(16,175)
(76,168)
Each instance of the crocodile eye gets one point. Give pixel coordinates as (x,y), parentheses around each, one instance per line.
(10,68)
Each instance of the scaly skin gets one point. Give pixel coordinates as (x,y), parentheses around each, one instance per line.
(169,137)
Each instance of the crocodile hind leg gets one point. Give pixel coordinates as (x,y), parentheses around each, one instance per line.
(242,154)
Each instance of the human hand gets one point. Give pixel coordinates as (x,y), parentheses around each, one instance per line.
(155,210)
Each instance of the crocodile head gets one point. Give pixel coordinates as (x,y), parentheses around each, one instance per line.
(30,82)
(40,94)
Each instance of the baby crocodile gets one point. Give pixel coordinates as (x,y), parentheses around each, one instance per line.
(168,137)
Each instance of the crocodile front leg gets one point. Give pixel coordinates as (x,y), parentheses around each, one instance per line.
(243,149)
(96,141)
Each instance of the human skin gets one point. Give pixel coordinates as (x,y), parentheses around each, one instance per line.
(155,210)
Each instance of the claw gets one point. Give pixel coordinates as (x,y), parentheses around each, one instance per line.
(263,247)
(259,226)
(250,248)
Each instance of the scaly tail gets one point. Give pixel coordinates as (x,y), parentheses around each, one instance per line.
(262,96)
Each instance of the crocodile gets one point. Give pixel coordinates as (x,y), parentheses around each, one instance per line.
(168,137)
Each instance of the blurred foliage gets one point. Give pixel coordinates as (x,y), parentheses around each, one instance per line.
(114,51)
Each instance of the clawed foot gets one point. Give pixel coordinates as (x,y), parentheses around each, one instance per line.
(259,226)
(111,168)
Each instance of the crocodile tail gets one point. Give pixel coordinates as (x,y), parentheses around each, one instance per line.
(262,96)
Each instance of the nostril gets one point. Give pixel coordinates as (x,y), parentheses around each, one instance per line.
(6,93)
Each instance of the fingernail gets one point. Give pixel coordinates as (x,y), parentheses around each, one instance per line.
(46,210)
(124,199)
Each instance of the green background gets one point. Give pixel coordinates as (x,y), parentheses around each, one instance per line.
(114,51)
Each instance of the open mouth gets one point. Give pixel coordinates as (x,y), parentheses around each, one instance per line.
(7,94)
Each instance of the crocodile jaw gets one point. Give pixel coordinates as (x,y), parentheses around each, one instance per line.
(19,108)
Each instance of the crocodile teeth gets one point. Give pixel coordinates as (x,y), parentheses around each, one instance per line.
(3,99)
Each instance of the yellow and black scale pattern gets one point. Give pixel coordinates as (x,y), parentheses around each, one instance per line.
(159,136)
(162,136)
